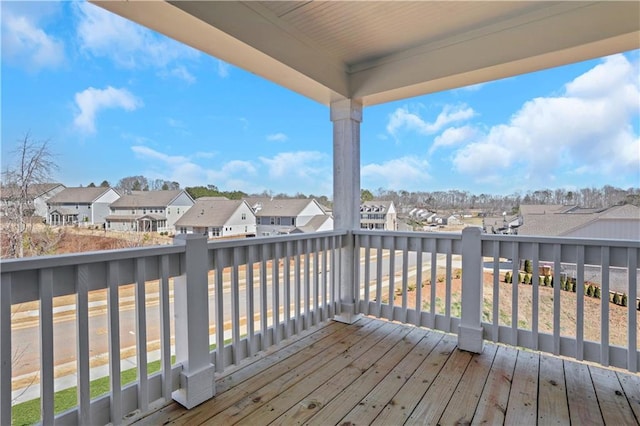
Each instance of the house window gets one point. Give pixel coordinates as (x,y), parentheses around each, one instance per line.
(76,206)
(244,216)
(272,221)
(178,210)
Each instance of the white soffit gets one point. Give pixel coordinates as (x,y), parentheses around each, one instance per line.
(380,51)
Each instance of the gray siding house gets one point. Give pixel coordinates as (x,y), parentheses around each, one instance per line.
(380,215)
(218,218)
(285,216)
(38,194)
(148,211)
(80,206)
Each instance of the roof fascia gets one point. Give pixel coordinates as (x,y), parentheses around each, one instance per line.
(567,33)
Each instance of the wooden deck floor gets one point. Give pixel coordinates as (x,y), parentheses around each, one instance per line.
(377,372)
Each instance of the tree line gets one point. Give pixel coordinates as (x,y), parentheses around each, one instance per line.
(588,197)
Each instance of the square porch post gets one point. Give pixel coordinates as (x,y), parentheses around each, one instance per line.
(470,332)
(346,115)
(191,304)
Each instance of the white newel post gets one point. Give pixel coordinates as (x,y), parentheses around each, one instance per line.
(470,328)
(191,303)
(346,115)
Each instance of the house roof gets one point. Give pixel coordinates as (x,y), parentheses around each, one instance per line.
(383,51)
(209,213)
(138,199)
(65,211)
(290,207)
(34,191)
(375,206)
(561,222)
(315,223)
(78,195)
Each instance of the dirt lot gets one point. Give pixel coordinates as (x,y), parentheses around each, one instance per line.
(568,303)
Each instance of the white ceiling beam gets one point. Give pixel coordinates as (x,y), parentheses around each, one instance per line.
(529,45)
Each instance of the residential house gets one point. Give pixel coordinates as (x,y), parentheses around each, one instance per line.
(501,224)
(37,196)
(149,211)
(618,222)
(218,218)
(286,216)
(84,206)
(379,215)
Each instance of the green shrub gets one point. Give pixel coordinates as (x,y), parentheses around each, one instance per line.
(508,278)
(574,287)
(548,280)
(521,277)
(597,293)
(624,299)
(541,280)
(590,290)
(616,298)
(528,266)
(527,278)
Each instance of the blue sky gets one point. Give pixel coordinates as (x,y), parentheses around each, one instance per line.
(116,100)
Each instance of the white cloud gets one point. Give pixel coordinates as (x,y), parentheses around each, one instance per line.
(180,72)
(92,100)
(25,43)
(185,170)
(299,165)
(223,69)
(453,136)
(277,137)
(588,127)
(408,173)
(403,119)
(105,34)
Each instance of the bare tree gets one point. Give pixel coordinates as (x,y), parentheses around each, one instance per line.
(33,164)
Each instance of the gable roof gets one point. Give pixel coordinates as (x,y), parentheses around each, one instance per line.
(138,199)
(315,223)
(78,195)
(210,213)
(382,206)
(35,190)
(274,207)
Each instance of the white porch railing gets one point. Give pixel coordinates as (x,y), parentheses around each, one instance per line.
(236,297)
(411,277)
(263,290)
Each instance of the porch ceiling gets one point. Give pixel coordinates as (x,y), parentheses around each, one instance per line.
(377,52)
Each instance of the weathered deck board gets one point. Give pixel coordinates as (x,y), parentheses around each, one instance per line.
(553,407)
(378,372)
(493,403)
(583,402)
(371,406)
(613,402)
(522,407)
(465,399)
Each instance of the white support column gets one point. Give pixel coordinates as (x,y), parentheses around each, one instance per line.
(470,328)
(346,115)
(191,302)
